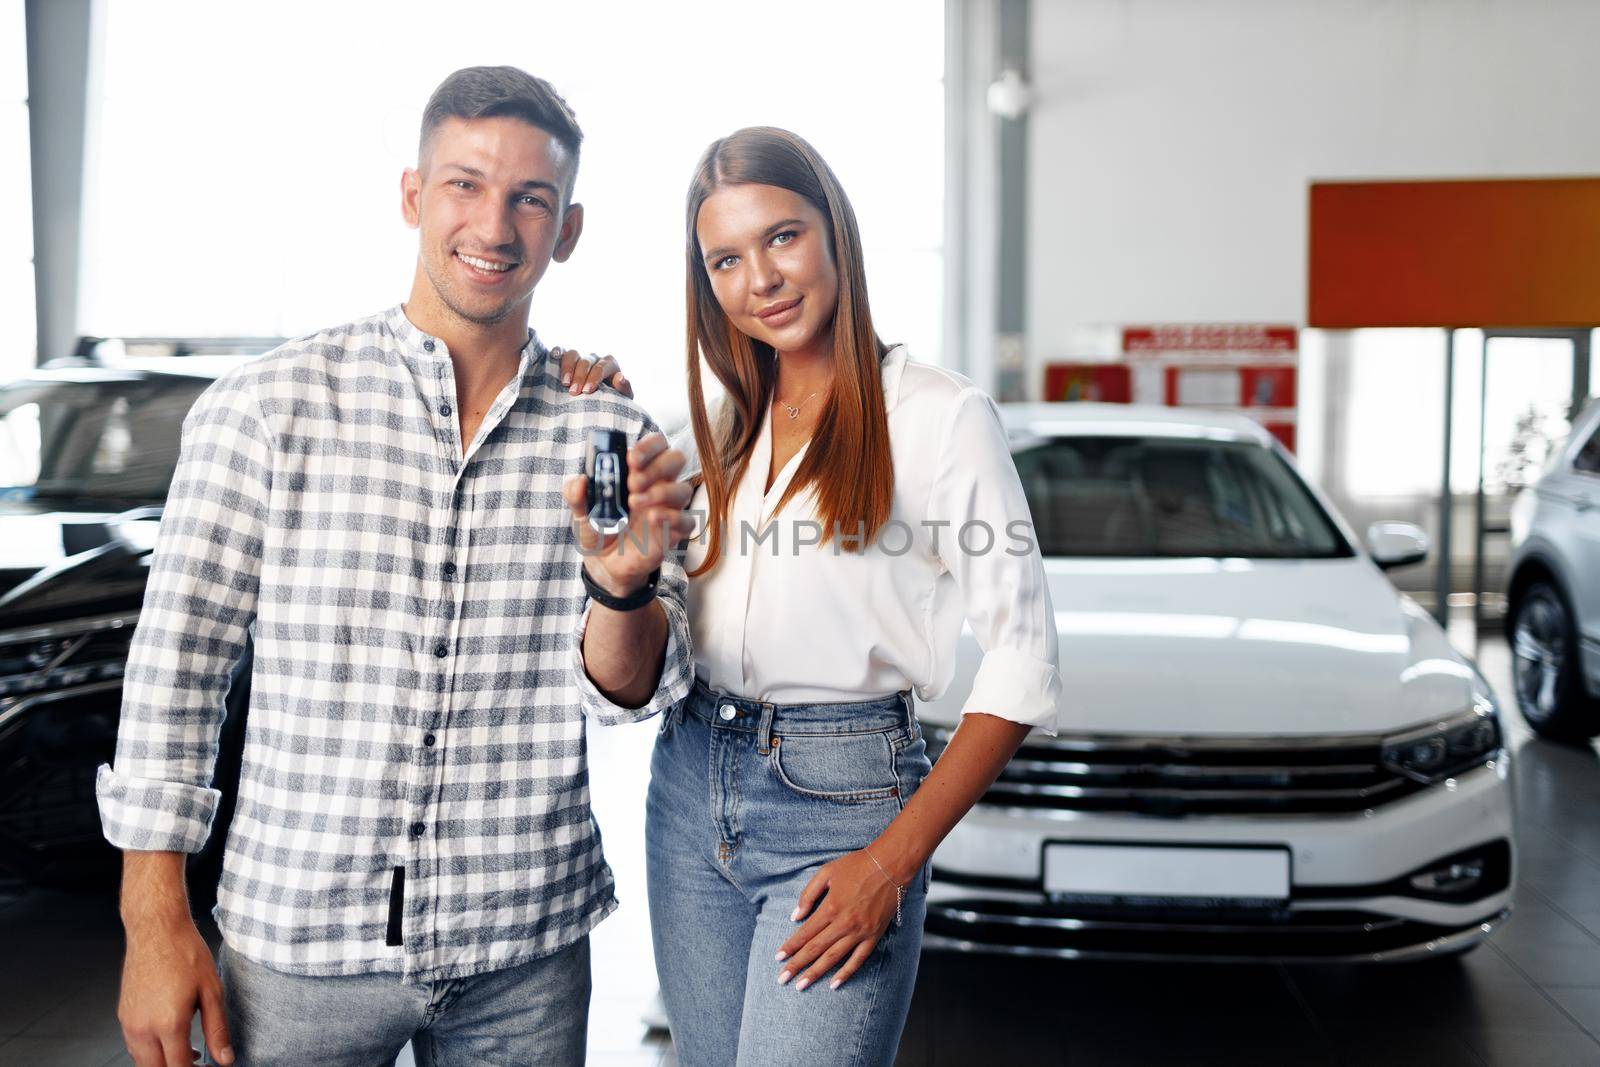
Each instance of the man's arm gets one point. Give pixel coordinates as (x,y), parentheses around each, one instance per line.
(623,652)
(628,658)
(157,804)
(168,969)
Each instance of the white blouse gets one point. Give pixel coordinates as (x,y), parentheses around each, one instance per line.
(783,619)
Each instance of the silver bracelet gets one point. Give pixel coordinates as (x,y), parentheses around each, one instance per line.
(899,890)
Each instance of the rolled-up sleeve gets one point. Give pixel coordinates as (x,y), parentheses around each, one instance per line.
(198,606)
(990,549)
(677,668)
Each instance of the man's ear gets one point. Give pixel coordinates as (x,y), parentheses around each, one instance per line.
(410,191)
(571,230)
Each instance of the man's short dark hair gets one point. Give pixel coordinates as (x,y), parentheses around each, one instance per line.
(487,92)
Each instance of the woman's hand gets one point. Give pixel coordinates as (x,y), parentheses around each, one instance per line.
(585,374)
(859,904)
(623,561)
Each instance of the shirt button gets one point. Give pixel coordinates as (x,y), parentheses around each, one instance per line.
(417,829)
(441,651)
(444,409)
(728,712)
(449,568)
(428,739)
(427,346)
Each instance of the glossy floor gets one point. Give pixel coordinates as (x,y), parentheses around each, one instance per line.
(1530,996)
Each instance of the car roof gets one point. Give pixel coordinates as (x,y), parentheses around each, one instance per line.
(1130,420)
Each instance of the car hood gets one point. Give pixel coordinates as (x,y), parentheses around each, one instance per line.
(1242,647)
(68,561)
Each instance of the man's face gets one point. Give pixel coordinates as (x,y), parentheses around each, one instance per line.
(489,198)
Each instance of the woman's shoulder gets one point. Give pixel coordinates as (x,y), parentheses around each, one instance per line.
(925,396)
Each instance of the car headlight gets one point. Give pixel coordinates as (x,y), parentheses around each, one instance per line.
(1432,753)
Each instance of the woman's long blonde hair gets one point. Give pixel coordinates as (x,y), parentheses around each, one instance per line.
(848,463)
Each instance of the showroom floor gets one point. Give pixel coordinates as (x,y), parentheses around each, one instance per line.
(1530,997)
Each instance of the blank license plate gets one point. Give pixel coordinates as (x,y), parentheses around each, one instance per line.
(1181,874)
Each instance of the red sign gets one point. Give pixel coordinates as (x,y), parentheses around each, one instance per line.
(1108,383)
(1219,337)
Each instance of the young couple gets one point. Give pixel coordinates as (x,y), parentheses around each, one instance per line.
(390,506)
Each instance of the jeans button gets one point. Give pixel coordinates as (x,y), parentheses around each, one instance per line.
(728,712)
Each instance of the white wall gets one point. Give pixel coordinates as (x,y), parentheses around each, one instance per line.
(1172,140)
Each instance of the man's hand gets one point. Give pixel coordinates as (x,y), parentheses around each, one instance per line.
(656,518)
(168,971)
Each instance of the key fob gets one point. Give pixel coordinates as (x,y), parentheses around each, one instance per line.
(607,469)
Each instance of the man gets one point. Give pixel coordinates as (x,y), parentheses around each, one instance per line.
(412,853)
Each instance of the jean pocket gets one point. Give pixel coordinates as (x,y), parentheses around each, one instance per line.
(843,768)
(669,721)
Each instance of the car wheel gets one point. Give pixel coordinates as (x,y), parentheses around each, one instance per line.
(1545,667)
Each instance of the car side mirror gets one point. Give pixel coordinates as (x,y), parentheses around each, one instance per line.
(1397,544)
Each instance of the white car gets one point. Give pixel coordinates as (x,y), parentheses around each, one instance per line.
(1553,604)
(1266,751)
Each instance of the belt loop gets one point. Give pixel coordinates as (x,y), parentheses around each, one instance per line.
(911,710)
(764,728)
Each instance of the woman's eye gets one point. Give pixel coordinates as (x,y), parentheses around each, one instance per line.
(724,263)
(784,238)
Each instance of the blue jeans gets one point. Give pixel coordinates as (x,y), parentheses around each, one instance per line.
(746,801)
(531,1014)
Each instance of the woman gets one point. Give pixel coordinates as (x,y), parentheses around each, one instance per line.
(845,489)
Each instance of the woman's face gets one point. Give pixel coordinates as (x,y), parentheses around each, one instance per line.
(766,252)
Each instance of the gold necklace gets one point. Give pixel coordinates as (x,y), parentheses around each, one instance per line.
(793,409)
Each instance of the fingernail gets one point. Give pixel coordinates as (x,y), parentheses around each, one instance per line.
(781,956)
(835,984)
(226,1056)
(589,388)
(794,917)
(784,976)
(798,986)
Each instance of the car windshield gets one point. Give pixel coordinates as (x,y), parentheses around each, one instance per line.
(1170,497)
(92,443)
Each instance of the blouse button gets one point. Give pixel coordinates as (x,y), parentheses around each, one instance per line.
(728,712)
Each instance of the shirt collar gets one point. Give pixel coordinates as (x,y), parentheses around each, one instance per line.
(889,372)
(426,347)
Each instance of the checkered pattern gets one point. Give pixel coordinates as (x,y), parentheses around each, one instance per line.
(418,695)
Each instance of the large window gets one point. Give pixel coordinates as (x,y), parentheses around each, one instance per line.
(244,175)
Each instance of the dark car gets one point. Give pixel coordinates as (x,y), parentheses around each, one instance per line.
(87,452)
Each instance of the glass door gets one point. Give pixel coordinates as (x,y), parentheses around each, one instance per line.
(1531,384)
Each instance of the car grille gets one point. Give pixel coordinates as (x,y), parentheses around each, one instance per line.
(980,925)
(1176,776)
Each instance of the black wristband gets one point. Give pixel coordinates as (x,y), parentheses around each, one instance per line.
(634,600)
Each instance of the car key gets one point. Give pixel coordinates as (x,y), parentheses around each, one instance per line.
(607,470)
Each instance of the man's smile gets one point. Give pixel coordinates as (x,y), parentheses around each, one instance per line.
(483,266)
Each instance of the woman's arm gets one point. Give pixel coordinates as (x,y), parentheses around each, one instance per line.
(861,901)
(1006,602)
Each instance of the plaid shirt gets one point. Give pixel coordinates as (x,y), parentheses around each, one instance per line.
(415,739)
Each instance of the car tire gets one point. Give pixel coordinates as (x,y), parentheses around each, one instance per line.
(1545,669)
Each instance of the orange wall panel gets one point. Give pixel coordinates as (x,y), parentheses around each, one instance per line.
(1516,252)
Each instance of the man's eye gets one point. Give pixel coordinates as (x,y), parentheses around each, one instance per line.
(530,201)
(461,183)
